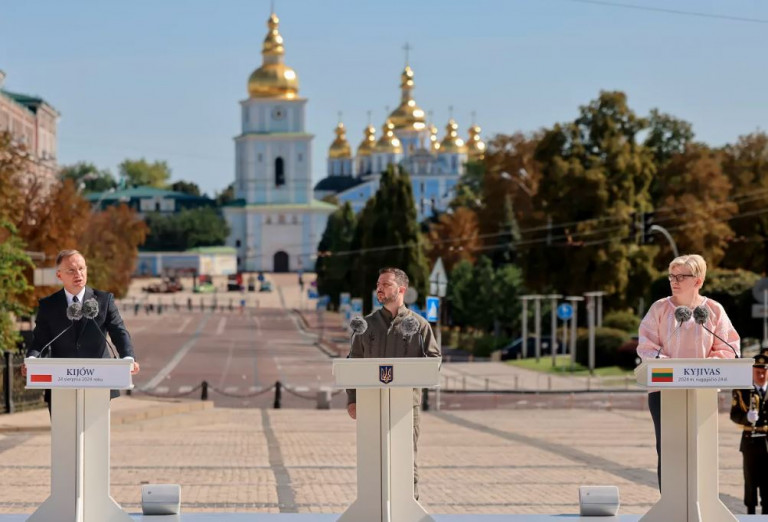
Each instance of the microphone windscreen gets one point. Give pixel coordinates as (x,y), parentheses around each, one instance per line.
(409,326)
(358,325)
(701,314)
(683,313)
(90,308)
(75,312)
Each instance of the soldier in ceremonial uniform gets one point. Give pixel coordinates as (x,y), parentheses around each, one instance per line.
(749,409)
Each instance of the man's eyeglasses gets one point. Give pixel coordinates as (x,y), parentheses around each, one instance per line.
(73,271)
(679,278)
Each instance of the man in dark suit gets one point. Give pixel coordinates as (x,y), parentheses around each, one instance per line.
(749,409)
(86,338)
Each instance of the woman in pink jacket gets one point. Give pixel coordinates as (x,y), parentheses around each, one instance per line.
(663,334)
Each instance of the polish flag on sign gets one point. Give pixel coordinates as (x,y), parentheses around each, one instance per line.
(40,378)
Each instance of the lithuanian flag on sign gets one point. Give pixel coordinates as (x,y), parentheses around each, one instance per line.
(661,375)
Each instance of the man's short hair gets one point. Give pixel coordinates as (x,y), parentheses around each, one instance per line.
(61,256)
(401,278)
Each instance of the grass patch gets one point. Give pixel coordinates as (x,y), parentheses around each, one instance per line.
(563,367)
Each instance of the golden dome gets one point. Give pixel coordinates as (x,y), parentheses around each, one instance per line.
(369,141)
(452,143)
(273,78)
(340,147)
(434,143)
(408,115)
(388,141)
(475,144)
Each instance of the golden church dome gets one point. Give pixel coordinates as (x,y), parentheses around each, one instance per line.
(452,143)
(340,147)
(475,144)
(273,78)
(369,141)
(434,142)
(388,141)
(407,115)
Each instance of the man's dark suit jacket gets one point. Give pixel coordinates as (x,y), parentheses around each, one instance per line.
(83,339)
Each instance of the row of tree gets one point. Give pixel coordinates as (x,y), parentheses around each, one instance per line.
(562,204)
(39,216)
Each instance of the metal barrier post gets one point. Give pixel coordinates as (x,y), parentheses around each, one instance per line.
(278,395)
(8,381)
(425,399)
(204,392)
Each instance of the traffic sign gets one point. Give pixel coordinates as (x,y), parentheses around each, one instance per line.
(564,311)
(433,308)
(357,305)
(759,290)
(411,294)
(438,279)
(344,298)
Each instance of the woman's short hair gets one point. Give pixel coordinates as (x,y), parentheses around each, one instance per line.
(694,262)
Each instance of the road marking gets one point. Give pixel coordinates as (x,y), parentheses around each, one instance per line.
(301,389)
(161,389)
(185,389)
(184,324)
(231,389)
(254,389)
(177,357)
(222,324)
(258,324)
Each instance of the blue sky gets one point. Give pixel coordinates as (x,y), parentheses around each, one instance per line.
(162,79)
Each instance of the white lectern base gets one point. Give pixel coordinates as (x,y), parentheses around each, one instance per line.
(79,460)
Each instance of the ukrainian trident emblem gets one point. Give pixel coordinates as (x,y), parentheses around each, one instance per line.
(385,373)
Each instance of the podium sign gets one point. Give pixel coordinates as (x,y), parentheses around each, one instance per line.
(689,449)
(385,434)
(79,373)
(696,373)
(80,390)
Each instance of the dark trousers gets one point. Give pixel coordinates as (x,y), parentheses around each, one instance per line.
(654,405)
(755,457)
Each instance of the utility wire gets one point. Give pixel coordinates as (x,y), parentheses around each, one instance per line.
(682,12)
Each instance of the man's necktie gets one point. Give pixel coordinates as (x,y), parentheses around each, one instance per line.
(75,299)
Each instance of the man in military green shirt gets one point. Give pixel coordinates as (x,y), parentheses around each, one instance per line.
(388,336)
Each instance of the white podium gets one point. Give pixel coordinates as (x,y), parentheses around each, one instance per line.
(689,448)
(385,435)
(80,390)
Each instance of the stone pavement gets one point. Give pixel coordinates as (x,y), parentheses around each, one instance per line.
(522,462)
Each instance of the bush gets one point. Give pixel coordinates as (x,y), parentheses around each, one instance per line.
(607,343)
(626,355)
(622,320)
(485,344)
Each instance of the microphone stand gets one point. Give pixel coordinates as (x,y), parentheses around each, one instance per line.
(54,339)
(720,338)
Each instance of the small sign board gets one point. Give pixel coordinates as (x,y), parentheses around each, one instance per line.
(564,311)
(433,308)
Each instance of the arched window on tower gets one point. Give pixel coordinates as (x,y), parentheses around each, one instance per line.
(279,173)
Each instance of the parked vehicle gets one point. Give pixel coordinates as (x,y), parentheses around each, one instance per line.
(514,349)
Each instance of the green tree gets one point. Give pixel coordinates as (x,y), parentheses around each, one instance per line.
(390,234)
(694,204)
(226,196)
(138,173)
(188,229)
(460,293)
(14,266)
(746,165)
(88,177)
(186,187)
(334,263)
(596,175)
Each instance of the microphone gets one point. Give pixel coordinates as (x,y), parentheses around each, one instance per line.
(90,311)
(409,327)
(682,314)
(358,325)
(74,313)
(700,316)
